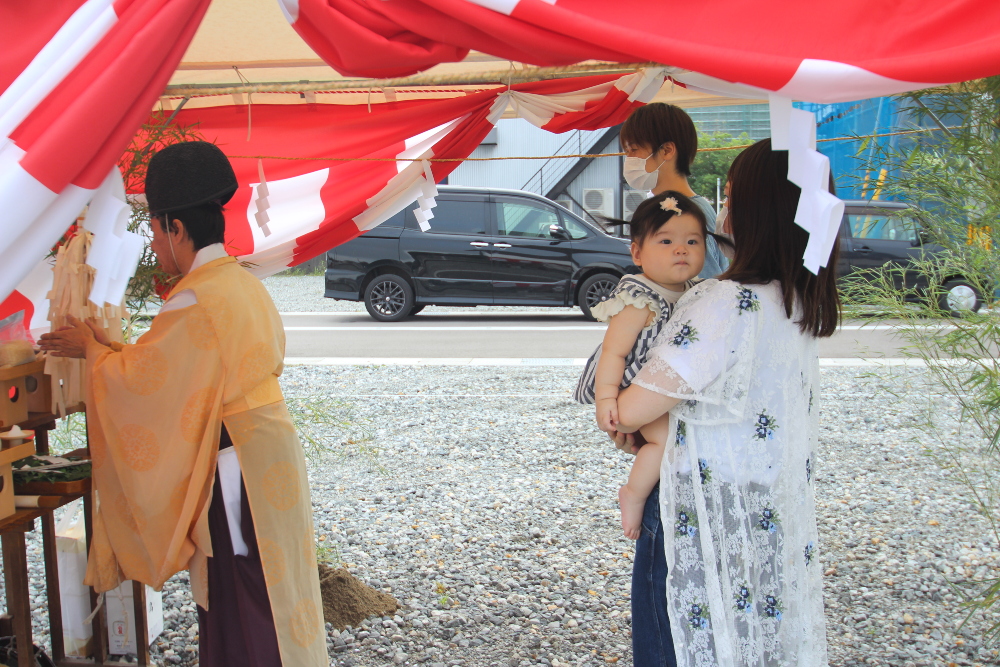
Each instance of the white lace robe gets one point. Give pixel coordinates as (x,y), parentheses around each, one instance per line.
(744,585)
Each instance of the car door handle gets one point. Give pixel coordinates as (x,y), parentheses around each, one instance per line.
(480,244)
(501,245)
(863,248)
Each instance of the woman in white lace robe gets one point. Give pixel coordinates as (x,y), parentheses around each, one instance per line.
(737,369)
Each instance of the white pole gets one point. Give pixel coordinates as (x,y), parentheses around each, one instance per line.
(718,193)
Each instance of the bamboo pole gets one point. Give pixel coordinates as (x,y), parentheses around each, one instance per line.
(498,77)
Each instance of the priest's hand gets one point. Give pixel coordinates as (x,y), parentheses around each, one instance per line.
(99,334)
(71,341)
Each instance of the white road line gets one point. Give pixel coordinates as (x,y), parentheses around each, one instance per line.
(562,395)
(429,361)
(560,312)
(827,362)
(542,327)
(390,327)
(890,327)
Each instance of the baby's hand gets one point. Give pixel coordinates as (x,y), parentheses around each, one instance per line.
(607,414)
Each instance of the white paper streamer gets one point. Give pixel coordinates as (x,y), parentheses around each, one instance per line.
(262,204)
(819,212)
(425,201)
(114,251)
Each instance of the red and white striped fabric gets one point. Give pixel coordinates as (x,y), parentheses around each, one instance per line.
(314,203)
(813,51)
(77,79)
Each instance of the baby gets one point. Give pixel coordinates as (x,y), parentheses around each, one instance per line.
(668,234)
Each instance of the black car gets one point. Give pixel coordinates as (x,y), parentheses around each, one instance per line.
(485,247)
(875,233)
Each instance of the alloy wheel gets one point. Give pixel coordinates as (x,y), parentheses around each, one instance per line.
(600,291)
(387,298)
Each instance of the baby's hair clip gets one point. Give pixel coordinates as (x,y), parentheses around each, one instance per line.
(670,204)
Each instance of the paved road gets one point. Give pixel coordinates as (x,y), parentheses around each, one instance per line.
(517,335)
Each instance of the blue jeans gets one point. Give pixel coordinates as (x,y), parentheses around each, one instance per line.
(652,643)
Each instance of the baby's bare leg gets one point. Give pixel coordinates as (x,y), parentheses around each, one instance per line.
(643,477)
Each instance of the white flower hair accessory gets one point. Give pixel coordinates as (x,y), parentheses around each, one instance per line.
(670,204)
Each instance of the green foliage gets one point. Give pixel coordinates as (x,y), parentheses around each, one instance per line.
(67,474)
(158,133)
(443,599)
(714,164)
(70,433)
(955,176)
(327,428)
(312,267)
(329,553)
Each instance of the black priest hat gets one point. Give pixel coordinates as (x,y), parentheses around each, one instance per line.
(188,174)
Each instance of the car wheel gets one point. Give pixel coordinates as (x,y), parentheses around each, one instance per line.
(389,298)
(417,309)
(958,297)
(594,290)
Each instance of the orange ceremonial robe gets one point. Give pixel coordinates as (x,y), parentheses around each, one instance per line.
(155,411)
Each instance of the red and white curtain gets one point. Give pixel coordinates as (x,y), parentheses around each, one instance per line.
(780,50)
(813,51)
(77,78)
(314,203)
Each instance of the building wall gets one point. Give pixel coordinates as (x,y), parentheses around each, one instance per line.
(603,172)
(516,137)
(754,119)
(880,115)
(519,137)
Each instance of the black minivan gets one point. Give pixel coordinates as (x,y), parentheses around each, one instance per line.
(485,246)
(875,233)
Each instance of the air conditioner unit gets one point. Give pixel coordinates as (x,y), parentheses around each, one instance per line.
(599,202)
(631,200)
(565,203)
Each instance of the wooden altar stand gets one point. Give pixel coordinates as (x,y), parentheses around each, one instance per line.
(17,621)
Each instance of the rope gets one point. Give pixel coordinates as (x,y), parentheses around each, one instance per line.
(410,159)
(552,157)
(403,91)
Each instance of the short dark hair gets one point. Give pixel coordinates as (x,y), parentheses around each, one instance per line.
(657,124)
(205,224)
(649,216)
(769,244)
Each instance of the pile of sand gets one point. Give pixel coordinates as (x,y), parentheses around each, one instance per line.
(348,601)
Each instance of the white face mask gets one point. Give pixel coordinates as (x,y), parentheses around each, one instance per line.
(720,223)
(636,175)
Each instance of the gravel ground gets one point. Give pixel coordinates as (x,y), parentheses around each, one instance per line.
(495,524)
(304,294)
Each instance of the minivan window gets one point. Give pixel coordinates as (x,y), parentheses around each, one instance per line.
(575,228)
(525,220)
(882,227)
(453,217)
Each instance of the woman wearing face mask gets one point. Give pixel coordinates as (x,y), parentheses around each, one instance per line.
(660,143)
